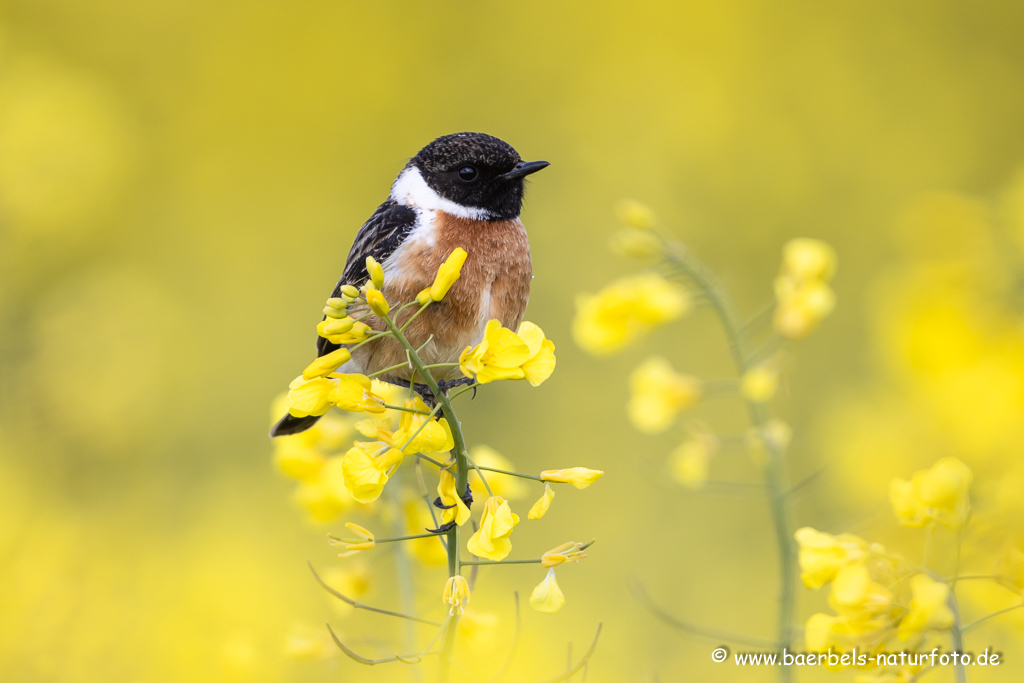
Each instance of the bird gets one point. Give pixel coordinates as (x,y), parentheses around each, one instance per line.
(463,190)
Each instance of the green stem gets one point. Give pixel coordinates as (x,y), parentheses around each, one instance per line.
(774,473)
(408,410)
(461,479)
(395,539)
(535,560)
(511,474)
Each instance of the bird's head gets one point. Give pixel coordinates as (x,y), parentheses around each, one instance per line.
(472,175)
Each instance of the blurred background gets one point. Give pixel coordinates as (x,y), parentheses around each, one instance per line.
(179,187)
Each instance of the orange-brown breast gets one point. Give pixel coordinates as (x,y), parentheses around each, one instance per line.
(495,283)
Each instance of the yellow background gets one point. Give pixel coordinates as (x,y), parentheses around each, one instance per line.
(179,186)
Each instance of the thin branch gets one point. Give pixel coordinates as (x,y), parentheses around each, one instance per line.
(580,664)
(358,605)
(985,618)
(414,658)
(715,635)
(511,474)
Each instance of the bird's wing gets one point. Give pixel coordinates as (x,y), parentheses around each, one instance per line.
(380,235)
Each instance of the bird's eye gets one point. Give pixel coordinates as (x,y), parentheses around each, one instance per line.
(467,173)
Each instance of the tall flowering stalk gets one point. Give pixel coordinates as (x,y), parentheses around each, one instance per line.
(428,431)
(631,307)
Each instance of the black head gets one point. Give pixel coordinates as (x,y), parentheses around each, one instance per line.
(478,171)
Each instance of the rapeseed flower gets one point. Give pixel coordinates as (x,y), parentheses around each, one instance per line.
(822,555)
(802,294)
(491,540)
(326,364)
(456,594)
(367,467)
(447,274)
(547,596)
(939,494)
(540,508)
(625,310)
(504,354)
(354,393)
(455,509)
(929,608)
(580,477)
(659,394)
(364,540)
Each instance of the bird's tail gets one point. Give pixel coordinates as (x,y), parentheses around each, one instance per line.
(293,425)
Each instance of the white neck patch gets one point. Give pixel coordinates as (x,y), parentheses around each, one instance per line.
(410,189)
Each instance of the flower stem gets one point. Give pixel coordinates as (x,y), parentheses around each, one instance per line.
(511,474)
(461,478)
(774,473)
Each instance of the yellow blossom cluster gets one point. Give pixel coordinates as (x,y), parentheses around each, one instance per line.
(658,394)
(938,494)
(803,296)
(504,354)
(626,310)
(880,602)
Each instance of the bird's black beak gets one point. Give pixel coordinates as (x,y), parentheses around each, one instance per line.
(525,168)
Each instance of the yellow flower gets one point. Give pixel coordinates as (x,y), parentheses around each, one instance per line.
(378,304)
(366,471)
(375,271)
(818,632)
(333,327)
(508,487)
(349,292)
(355,332)
(354,394)
(296,458)
(822,555)
(547,596)
(580,477)
(690,461)
(809,259)
(336,308)
(431,436)
(659,394)
(567,552)
(326,364)
(929,608)
(325,495)
(448,273)
(540,508)
(802,293)
(635,215)
(939,494)
(626,310)
(801,306)
(541,362)
(309,397)
(496,525)
(759,384)
(364,541)
(455,510)
(855,596)
(498,356)
(456,594)
(504,354)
